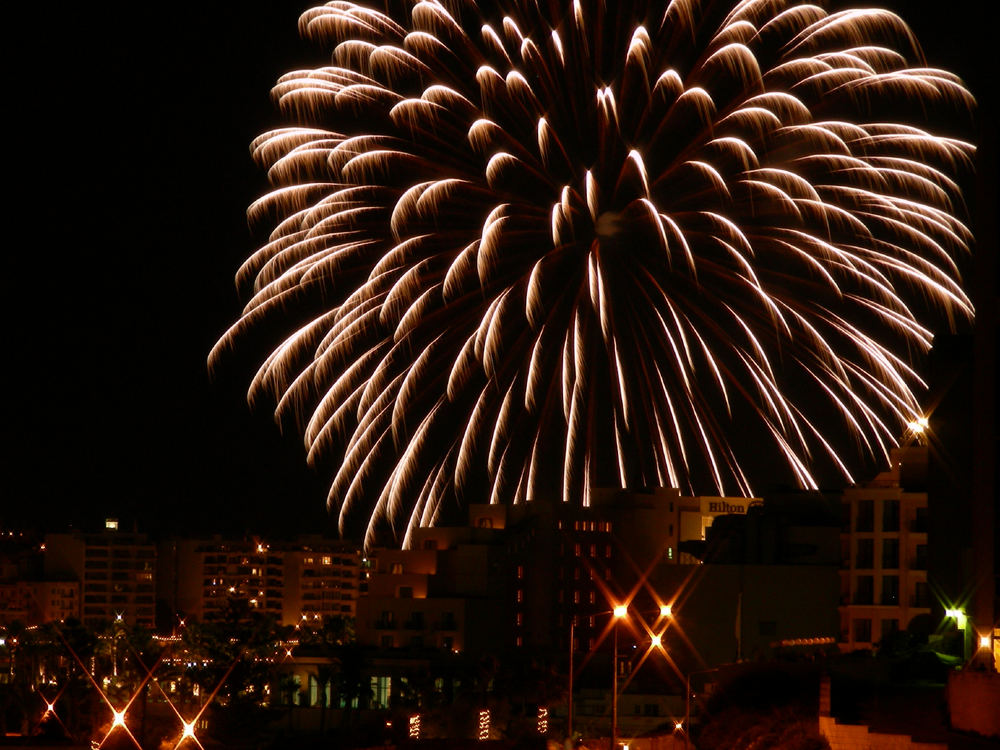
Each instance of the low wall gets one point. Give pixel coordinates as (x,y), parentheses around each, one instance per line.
(974,702)
(859,737)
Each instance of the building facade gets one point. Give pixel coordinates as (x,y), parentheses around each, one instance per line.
(883,580)
(116,571)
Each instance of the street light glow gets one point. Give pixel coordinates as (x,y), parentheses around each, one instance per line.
(188,730)
(656,641)
(984,641)
(666,610)
(119,720)
(621,610)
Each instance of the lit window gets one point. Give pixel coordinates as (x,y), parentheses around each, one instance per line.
(520,595)
(327,560)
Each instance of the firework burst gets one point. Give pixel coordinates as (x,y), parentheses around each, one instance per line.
(525,249)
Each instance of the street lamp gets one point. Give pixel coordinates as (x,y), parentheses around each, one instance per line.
(619,612)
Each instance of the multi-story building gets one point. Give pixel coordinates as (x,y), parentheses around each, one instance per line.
(883,579)
(116,571)
(448,592)
(308,579)
(211,579)
(323,579)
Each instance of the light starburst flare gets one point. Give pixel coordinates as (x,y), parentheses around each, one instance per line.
(521,249)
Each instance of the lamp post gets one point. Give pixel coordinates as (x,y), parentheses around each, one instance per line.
(619,612)
(569,709)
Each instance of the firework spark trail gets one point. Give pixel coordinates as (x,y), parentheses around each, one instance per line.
(580,238)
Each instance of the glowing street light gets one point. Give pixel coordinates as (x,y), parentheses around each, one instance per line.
(666,611)
(656,640)
(620,611)
(984,641)
(188,730)
(119,719)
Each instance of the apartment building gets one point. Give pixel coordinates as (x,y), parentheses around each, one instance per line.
(116,571)
(883,579)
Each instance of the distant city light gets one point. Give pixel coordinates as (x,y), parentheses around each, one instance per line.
(415,727)
(678,725)
(484,724)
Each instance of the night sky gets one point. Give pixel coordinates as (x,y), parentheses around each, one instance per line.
(128,138)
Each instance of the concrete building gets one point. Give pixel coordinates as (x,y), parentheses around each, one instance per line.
(116,571)
(883,581)
(448,592)
(307,579)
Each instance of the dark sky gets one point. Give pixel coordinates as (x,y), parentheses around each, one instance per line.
(128,154)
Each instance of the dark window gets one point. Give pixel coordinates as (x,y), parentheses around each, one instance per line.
(921,595)
(865,591)
(890,553)
(889,627)
(890,589)
(920,521)
(890,515)
(921,561)
(865,520)
(865,554)
(863,630)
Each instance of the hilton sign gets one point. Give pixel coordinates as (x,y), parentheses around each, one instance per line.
(720,506)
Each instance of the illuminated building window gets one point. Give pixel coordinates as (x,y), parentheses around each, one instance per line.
(593,550)
(576,597)
(519,619)
(576,550)
(607,550)
(396,568)
(520,595)
(590,597)
(590,621)
(520,571)
(670,553)
(327,560)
